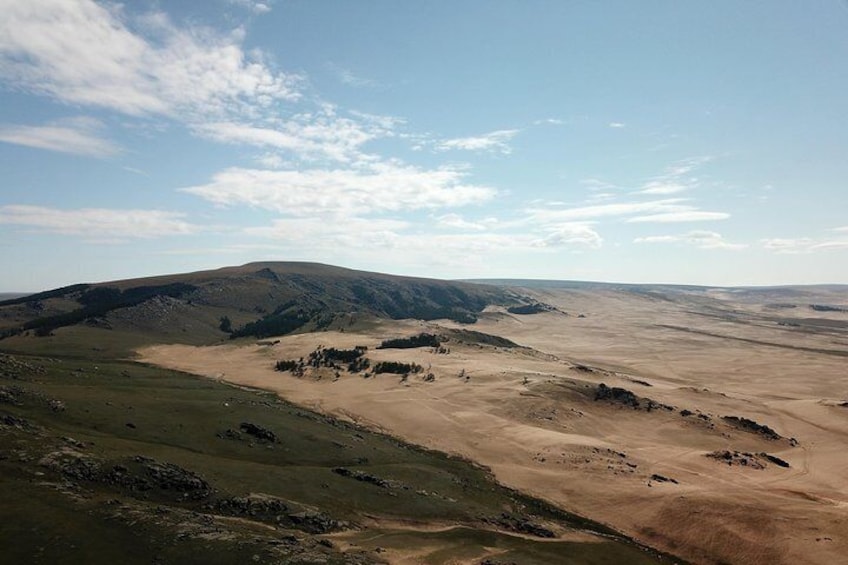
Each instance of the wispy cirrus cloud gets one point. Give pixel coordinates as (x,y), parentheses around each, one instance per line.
(312,136)
(675,178)
(77,136)
(348,77)
(99,223)
(93,54)
(494,142)
(549,121)
(682,214)
(254,6)
(662,211)
(805,244)
(700,239)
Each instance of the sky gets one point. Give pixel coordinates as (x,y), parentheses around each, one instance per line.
(657,142)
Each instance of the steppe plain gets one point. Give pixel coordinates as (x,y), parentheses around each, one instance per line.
(637,460)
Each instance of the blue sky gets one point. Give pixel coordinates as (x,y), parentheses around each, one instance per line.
(655,141)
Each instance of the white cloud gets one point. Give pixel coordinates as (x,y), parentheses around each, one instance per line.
(253,6)
(385,186)
(496,142)
(690,215)
(312,136)
(549,121)
(597,184)
(98,223)
(674,178)
(348,77)
(700,239)
(576,234)
(803,245)
(90,54)
(842,229)
(550,214)
(665,210)
(77,136)
(617,125)
(658,187)
(458,222)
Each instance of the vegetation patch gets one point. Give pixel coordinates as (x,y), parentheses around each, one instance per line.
(533,308)
(279,322)
(98,302)
(397,367)
(827,308)
(420,340)
(481,338)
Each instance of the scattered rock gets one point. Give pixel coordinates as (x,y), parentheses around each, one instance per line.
(316,522)
(254,505)
(258,432)
(521,525)
(662,479)
(168,476)
(617,395)
(746,459)
(752,426)
(776,460)
(625,397)
(366,477)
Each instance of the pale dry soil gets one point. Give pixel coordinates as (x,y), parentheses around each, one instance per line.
(529,414)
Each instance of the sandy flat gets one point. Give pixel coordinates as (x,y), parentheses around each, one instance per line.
(530,415)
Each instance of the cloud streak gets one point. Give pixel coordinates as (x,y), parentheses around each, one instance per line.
(493,142)
(675,178)
(99,223)
(700,239)
(312,136)
(77,137)
(803,245)
(665,210)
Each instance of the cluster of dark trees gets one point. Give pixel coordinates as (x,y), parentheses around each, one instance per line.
(329,357)
(420,340)
(278,322)
(397,368)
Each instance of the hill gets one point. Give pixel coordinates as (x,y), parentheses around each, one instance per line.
(253,300)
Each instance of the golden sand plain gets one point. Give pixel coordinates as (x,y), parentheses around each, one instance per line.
(529,413)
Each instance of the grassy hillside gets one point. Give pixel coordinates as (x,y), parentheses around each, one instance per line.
(118,462)
(254,300)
